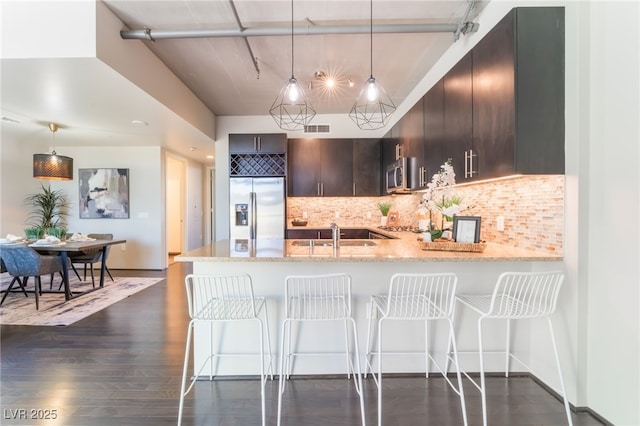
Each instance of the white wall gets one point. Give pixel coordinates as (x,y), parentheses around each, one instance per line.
(611,125)
(145,228)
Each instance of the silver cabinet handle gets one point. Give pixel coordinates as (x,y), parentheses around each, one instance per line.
(354,188)
(259,143)
(468,164)
(318,189)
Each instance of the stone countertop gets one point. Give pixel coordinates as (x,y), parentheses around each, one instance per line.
(405,248)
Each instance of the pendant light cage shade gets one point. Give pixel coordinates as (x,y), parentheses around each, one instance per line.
(52,167)
(373,107)
(290,110)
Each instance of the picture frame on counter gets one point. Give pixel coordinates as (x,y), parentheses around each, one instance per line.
(466,229)
(394,218)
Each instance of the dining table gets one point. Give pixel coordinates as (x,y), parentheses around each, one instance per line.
(68,246)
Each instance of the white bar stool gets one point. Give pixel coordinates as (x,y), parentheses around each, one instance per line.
(224,298)
(416,297)
(323,298)
(517,295)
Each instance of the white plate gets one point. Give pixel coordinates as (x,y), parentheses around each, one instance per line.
(47,244)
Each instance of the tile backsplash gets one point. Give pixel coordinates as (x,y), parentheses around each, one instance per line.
(532,208)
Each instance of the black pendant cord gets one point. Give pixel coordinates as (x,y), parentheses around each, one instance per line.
(292,39)
(371,38)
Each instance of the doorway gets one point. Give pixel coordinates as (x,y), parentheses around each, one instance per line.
(175,187)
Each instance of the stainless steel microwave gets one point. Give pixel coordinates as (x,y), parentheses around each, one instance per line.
(402,175)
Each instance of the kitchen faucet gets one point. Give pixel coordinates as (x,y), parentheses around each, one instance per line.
(335,235)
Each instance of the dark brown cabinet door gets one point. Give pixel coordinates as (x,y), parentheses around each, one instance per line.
(320,167)
(303,160)
(367,167)
(458,116)
(267,143)
(493,101)
(434,138)
(412,130)
(336,168)
(539,97)
(518,94)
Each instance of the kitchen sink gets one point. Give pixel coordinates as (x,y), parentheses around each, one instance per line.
(328,243)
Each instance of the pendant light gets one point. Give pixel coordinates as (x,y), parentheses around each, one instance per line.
(290,110)
(373,106)
(52,166)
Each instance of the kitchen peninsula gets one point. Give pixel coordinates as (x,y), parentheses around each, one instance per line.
(371,263)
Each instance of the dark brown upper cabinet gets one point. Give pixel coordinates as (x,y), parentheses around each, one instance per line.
(434,136)
(412,131)
(500,110)
(458,117)
(518,95)
(320,167)
(367,171)
(266,143)
(334,167)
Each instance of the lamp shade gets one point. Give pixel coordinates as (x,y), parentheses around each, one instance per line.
(373,108)
(52,167)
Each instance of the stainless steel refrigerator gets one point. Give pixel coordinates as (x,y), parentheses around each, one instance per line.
(257,214)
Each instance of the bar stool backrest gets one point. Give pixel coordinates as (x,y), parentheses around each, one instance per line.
(318,297)
(220,297)
(525,294)
(421,296)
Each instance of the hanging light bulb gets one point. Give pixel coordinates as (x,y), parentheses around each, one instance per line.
(372,107)
(372,90)
(293,93)
(290,110)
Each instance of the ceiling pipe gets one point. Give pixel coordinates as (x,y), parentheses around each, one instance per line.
(148,34)
(246,41)
(463,21)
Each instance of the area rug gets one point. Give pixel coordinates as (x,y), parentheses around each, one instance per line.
(54,310)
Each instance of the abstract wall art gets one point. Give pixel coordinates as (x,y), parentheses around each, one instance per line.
(104,193)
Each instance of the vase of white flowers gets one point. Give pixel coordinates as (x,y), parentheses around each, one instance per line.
(439,202)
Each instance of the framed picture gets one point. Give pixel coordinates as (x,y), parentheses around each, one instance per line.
(394,218)
(466,229)
(104,193)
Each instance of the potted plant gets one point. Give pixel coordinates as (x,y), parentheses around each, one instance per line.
(384,209)
(48,209)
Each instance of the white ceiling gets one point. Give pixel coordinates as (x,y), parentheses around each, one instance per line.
(220,70)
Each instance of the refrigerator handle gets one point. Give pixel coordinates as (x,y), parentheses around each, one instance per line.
(253,218)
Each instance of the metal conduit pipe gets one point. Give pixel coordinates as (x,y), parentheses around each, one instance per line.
(246,40)
(148,34)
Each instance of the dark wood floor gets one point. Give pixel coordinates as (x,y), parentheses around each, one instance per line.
(122,366)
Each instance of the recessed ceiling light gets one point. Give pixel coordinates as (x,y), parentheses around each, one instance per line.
(191,148)
(139,123)
(210,157)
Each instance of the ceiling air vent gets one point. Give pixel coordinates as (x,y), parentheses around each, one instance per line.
(317,128)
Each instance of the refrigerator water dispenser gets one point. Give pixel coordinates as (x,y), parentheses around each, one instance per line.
(242,214)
